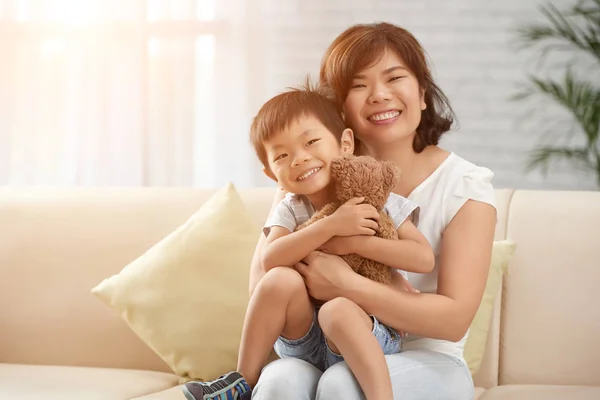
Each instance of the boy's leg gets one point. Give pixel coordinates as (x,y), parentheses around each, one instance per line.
(280,305)
(349,331)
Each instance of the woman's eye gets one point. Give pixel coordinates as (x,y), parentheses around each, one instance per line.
(395,78)
(312,142)
(281,156)
(357,86)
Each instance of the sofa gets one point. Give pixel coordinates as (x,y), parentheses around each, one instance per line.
(57,341)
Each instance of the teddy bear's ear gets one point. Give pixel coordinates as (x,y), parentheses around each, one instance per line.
(339,166)
(391,176)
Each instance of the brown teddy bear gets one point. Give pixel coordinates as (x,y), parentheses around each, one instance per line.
(363,176)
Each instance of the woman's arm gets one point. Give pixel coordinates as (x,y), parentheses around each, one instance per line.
(256,269)
(464,265)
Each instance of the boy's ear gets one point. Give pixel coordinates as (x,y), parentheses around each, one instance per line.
(268,173)
(347,141)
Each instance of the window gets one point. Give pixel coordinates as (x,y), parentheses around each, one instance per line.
(110,92)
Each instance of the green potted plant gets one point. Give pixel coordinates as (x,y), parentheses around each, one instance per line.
(574,31)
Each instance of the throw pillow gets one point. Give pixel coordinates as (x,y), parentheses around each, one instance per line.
(475,346)
(187,295)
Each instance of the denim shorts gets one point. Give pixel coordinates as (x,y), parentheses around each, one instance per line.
(313,347)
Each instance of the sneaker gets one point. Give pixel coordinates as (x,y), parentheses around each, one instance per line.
(231,386)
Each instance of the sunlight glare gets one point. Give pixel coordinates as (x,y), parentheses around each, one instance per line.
(205,161)
(52,46)
(205,10)
(75,12)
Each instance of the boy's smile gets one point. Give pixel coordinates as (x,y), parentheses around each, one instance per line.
(299,156)
(309,174)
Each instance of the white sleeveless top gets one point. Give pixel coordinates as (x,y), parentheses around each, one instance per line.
(439,197)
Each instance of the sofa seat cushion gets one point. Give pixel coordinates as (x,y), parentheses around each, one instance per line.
(34,382)
(479,392)
(545,392)
(173,393)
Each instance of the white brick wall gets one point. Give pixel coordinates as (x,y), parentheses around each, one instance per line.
(474,61)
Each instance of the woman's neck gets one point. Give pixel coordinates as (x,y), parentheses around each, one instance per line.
(414,167)
(400,154)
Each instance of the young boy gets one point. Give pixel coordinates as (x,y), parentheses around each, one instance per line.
(296,135)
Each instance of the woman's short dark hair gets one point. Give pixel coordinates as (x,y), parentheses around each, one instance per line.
(362,45)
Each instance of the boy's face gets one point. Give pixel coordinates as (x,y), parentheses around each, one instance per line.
(300,156)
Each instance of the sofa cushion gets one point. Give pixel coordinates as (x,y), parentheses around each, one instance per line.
(176,394)
(186,296)
(550,313)
(61,243)
(173,393)
(34,382)
(478,393)
(478,332)
(541,392)
(487,376)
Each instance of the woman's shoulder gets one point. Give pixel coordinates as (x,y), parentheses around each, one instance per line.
(455,173)
(466,181)
(461,167)
(453,183)
(467,177)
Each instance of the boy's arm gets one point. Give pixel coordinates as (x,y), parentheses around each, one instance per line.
(411,253)
(256,270)
(285,248)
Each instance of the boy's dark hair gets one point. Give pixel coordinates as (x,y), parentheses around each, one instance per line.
(280,111)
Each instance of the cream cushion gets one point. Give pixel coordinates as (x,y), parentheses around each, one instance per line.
(33,382)
(550,316)
(186,296)
(174,393)
(502,253)
(542,392)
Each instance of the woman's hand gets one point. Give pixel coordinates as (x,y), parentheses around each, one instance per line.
(325,275)
(340,245)
(401,283)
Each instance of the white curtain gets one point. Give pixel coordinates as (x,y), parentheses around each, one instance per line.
(124,93)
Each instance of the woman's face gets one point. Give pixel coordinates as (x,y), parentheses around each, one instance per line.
(384,102)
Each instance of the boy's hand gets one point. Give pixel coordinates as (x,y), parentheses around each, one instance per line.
(340,245)
(353,218)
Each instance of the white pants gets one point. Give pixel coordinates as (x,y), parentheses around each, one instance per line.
(416,375)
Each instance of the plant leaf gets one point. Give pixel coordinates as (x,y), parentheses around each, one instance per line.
(562,27)
(542,156)
(580,98)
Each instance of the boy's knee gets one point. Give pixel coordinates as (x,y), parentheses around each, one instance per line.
(335,314)
(280,281)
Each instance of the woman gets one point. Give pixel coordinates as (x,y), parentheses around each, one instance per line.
(381,80)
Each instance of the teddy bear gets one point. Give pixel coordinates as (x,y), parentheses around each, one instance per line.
(363,176)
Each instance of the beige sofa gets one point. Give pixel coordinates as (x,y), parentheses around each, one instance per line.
(57,341)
